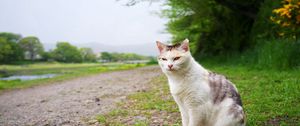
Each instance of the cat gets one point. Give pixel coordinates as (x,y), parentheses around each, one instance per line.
(204,98)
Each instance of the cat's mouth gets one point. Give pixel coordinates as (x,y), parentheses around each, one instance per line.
(171,69)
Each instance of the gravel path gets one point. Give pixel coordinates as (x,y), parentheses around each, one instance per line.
(73,102)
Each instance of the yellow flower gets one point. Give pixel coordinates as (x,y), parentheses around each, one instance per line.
(279,10)
(285,12)
(288,15)
(288,6)
(282,12)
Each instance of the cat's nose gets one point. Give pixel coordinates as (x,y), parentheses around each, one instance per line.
(170,66)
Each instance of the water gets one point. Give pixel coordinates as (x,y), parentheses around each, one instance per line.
(28,77)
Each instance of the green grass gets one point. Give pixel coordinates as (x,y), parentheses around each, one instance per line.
(65,71)
(270,97)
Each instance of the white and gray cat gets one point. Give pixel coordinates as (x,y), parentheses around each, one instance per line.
(204,98)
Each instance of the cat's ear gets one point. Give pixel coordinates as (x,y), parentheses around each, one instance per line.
(161,47)
(185,45)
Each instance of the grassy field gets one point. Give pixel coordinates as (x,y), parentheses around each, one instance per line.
(270,97)
(65,71)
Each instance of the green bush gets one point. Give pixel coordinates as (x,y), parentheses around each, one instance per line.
(152,61)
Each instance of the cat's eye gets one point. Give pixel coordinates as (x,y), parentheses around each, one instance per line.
(176,58)
(164,59)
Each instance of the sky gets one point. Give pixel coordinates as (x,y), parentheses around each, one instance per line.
(80,22)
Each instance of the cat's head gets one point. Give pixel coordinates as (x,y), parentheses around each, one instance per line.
(173,58)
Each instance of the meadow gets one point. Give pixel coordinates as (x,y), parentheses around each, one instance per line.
(270,97)
(64,71)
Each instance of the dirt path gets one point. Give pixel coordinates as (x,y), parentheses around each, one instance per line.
(72,102)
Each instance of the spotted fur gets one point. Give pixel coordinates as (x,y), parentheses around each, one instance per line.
(172,47)
(223,88)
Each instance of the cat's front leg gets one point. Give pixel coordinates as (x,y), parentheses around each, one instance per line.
(183,111)
(196,117)
(184,116)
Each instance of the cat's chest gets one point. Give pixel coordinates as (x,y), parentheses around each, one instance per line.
(189,90)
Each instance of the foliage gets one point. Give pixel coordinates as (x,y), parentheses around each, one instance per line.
(214,26)
(152,60)
(5,50)
(13,47)
(15,50)
(237,28)
(288,17)
(106,56)
(9,49)
(11,36)
(87,55)
(32,46)
(65,52)
(263,28)
(113,57)
(47,56)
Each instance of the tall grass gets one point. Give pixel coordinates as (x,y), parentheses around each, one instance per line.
(278,54)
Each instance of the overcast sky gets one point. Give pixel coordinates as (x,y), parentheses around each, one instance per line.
(83,21)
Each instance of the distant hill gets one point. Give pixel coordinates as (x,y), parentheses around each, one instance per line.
(147,49)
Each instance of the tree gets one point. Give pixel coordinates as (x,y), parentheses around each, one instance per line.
(11,36)
(47,56)
(87,55)
(5,50)
(106,56)
(113,57)
(9,49)
(32,47)
(65,52)
(214,27)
